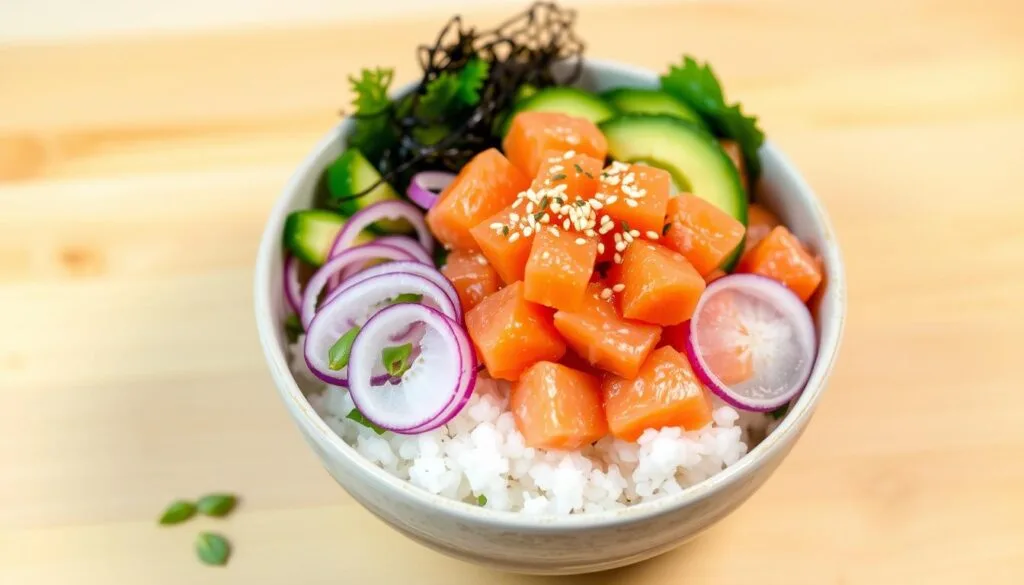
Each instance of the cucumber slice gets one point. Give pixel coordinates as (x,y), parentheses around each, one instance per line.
(309,234)
(566,100)
(350,174)
(632,100)
(693,157)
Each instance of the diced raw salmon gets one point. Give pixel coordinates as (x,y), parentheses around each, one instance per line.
(661,286)
(701,232)
(533,133)
(638,194)
(601,336)
(472,276)
(666,393)
(507,255)
(556,407)
(559,269)
(483,187)
(512,333)
(579,173)
(760,222)
(782,257)
(735,153)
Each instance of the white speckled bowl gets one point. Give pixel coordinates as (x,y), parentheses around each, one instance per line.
(579,543)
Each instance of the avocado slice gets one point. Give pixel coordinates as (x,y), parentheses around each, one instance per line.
(634,100)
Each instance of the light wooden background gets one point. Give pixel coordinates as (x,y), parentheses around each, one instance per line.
(135,176)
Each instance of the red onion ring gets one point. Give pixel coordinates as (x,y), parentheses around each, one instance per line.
(292,286)
(426,186)
(374,213)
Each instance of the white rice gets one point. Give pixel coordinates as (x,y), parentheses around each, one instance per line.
(480,456)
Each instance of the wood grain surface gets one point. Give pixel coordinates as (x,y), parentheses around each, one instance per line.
(135,176)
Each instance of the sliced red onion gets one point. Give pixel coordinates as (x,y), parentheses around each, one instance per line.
(335,265)
(376,212)
(292,287)
(437,384)
(407,244)
(760,319)
(408,267)
(353,305)
(427,185)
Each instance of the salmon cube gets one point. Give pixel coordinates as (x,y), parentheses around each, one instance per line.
(661,286)
(781,257)
(472,276)
(760,223)
(531,134)
(598,334)
(559,269)
(666,393)
(557,407)
(578,173)
(635,195)
(507,254)
(511,333)
(701,232)
(483,187)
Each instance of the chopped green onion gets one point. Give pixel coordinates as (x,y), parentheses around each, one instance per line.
(396,359)
(337,356)
(481,500)
(406,298)
(558,177)
(359,418)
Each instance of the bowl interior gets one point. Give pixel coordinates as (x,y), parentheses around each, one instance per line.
(780,188)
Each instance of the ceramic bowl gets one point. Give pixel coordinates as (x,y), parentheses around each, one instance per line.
(576,543)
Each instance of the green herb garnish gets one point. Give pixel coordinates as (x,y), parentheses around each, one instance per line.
(664,230)
(359,418)
(449,92)
(587,173)
(578,168)
(779,412)
(698,86)
(544,202)
(396,359)
(216,505)
(440,256)
(471,80)
(481,500)
(504,230)
(212,549)
(558,177)
(538,215)
(625,225)
(372,132)
(177,512)
(337,356)
(292,328)
(406,298)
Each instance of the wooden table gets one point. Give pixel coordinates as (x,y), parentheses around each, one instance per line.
(135,176)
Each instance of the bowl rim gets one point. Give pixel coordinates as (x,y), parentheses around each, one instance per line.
(340,451)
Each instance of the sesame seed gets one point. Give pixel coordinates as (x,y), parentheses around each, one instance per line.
(481,260)
(611,200)
(612,180)
(555,159)
(527,231)
(545,255)
(600,248)
(559,188)
(496,225)
(555,207)
(618,237)
(606,219)
(628,179)
(545,218)
(569,154)
(565,224)
(553,231)
(618,258)
(555,168)
(596,205)
(627,237)
(634,233)
(619,287)
(619,166)
(580,241)
(631,202)
(513,237)
(620,246)
(652,234)
(513,217)
(516,203)
(590,233)
(606,293)
(529,207)
(605,228)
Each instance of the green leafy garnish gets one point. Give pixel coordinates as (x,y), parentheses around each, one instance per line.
(471,80)
(558,177)
(359,418)
(544,201)
(406,298)
(177,512)
(372,132)
(449,92)
(440,256)
(504,230)
(212,549)
(292,328)
(538,215)
(481,500)
(779,412)
(337,356)
(578,168)
(396,359)
(625,225)
(698,86)
(216,505)
(664,230)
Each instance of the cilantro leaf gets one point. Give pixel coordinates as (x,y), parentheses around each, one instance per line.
(471,80)
(372,132)
(698,86)
(439,96)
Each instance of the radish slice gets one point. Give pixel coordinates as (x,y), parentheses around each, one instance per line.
(752,342)
(334,266)
(425,187)
(408,267)
(353,306)
(292,287)
(437,384)
(412,247)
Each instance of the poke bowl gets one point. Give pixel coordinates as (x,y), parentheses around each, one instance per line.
(546,313)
